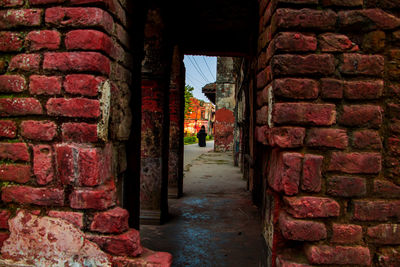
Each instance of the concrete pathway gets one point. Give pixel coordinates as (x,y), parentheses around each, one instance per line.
(193,151)
(215,223)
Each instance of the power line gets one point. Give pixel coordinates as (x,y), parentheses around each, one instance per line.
(193,78)
(202,75)
(195,61)
(212,75)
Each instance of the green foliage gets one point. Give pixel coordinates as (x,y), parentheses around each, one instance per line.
(209,137)
(191,139)
(188,94)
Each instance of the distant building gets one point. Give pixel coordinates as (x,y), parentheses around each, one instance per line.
(202,114)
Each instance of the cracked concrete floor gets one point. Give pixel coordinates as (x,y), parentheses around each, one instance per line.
(214,223)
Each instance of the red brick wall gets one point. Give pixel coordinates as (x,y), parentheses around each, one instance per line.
(328,110)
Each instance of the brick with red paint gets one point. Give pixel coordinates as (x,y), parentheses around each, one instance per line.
(43,39)
(262,116)
(385,188)
(371,19)
(20,17)
(285,65)
(8,129)
(14,151)
(12,84)
(304,114)
(346,186)
(361,116)
(45,2)
(301,230)
(286,137)
(111,221)
(376,210)
(4,216)
(322,254)
(32,195)
(77,61)
(18,173)
(331,88)
(3,237)
(25,62)
(294,41)
(357,64)
(312,207)
(83,84)
(94,166)
(312,173)
(367,139)
(39,130)
(66,157)
(326,137)
(345,3)
(99,198)
(304,18)
(389,256)
(11,42)
(285,172)
(79,132)
(11,3)
(359,90)
(76,218)
(73,107)
(20,106)
(126,244)
(368,163)
(346,233)
(45,85)
(385,234)
(43,164)
(89,40)
(79,17)
(296,88)
(332,42)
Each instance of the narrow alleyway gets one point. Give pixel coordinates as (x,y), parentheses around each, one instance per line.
(215,223)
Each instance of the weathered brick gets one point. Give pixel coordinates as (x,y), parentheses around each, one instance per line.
(363,89)
(19,18)
(388,257)
(312,207)
(4,216)
(11,3)
(20,106)
(264,77)
(301,230)
(323,64)
(331,88)
(346,233)
(294,41)
(296,88)
(8,129)
(374,42)
(111,221)
(345,3)
(76,218)
(361,116)
(32,195)
(286,137)
(25,62)
(126,244)
(99,198)
(89,40)
(94,166)
(344,186)
(18,173)
(44,39)
(331,42)
(66,156)
(393,63)
(45,85)
(384,188)
(3,237)
(14,151)
(43,164)
(45,2)
(376,210)
(39,130)
(285,172)
(387,234)
(77,61)
(368,19)
(79,132)
(12,84)
(262,116)
(327,137)
(73,107)
(11,42)
(304,18)
(322,254)
(262,134)
(79,17)
(83,84)
(367,163)
(367,139)
(312,173)
(304,114)
(357,64)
